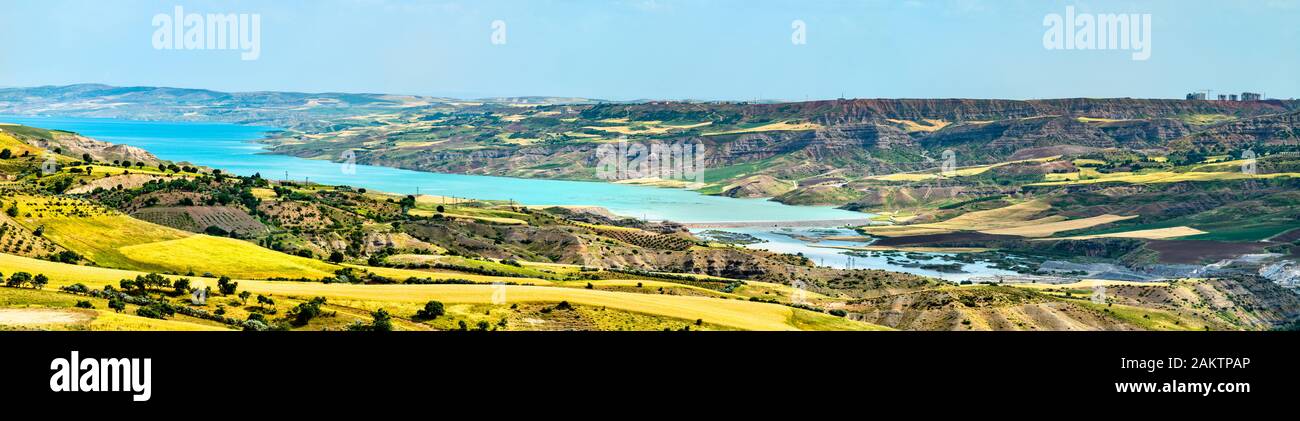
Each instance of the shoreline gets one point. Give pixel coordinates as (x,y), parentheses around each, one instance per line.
(823,223)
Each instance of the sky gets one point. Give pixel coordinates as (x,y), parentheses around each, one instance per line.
(664,49)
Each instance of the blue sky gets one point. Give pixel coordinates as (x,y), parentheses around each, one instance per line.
(664,49)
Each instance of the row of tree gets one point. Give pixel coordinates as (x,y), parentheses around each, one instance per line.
(22,279)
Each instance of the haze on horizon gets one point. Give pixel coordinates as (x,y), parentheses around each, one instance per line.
(664,49)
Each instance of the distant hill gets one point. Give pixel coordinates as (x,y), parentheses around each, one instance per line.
(281,109)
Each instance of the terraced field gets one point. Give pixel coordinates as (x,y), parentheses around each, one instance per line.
(199,218)
(115,240)
(738,314)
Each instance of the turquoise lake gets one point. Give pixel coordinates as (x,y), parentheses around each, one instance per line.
(233,148)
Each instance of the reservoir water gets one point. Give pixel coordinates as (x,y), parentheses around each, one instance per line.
(233,148)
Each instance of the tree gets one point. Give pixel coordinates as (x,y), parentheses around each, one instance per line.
(383,322)
(18,279)
(12,211)
(243,296)
(152,280)
(226,287)
(6,154)
(440,209)
(336,257)
(117,305)
(304,312)
(432,310)
(264,300)
(155,311)
(128,284)
(40,281)
(86,157)
(181,286)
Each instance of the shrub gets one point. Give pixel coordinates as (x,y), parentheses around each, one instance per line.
(304,312)
(150,312)
(383,322)
(432,310)
(85,304)
(40,281)
(18,279)
(225,286)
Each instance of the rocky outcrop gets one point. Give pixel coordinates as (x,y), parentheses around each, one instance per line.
(1271,129)
(757,186)
(75,145)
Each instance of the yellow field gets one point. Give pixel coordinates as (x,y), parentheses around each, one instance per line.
(1047,229)
(1208,119)
(1083,173)
(1098,120)
(114,170)
(1009,220)
(401,275)
(773,127)
(732,313)
(647,127)
(109,320)
(959,172)
(15,146)
(1005,217)
(48,309)
(225,256)
(99,238)
(263,193)
(114,240)
(492,219)
(1013,215)
(1161,177)
(1151,234)
(904,230)
(926,125)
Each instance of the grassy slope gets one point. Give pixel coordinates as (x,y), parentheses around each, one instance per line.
(114,240)
(730,313)
(99,318)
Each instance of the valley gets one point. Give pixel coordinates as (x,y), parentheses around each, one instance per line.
(930,215)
